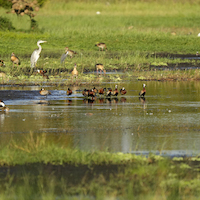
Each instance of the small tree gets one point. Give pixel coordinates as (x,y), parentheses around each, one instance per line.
(24,7)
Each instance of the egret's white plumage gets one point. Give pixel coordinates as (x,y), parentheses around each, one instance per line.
(36,54)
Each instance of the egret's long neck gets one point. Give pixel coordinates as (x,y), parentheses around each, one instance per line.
(40,48)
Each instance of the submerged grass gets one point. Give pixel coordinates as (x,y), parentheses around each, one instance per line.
(34,167)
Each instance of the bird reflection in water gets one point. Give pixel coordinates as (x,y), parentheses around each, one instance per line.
(143,102)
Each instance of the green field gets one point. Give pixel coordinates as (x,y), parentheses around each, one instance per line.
(134,33)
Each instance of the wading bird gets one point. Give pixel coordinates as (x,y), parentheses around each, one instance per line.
(3,106)
(44,92)
(123,91)
(101,91)
(15,59)
(63,57)
(69,91)
(101,46)
(143,91)
(36,54)
(100,67)
(115,91)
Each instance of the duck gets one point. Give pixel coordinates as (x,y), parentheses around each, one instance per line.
(101,91)
(122,91)
(2,64)
(44,92)
(143,91)
(74,72)
(70,52)
(85,92)
(108,92)
(15,59)
(101,46)
(100,67)
(43,73)
(115,91)
(95,90)
(69,91)
(91,93)
(3,106)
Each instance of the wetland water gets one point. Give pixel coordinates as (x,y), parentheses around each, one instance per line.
(167,121)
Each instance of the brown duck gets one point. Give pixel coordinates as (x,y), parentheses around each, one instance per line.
(100,67)
(15,59)
(101,46)
(143,91)
(70,52)
(44,92)
(74,72)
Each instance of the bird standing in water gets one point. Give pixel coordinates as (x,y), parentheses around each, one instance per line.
(15,59)
(100,67)
(3,106)
(36,54)
(143,91)
(44,92)
(115,91)
(101,46)
(122,91)
(69,91)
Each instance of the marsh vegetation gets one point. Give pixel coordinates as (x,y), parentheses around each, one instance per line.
(147,40)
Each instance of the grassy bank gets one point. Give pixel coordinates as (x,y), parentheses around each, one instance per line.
(34,167)
(133,31)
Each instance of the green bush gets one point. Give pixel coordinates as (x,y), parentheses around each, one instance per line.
(5,24)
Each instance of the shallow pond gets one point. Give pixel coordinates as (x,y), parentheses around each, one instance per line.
(167,121)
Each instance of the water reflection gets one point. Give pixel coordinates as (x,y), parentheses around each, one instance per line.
(123,123)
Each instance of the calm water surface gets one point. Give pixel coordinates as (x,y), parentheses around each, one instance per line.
(166,121)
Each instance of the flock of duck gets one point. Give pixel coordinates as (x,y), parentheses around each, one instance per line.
(86,92)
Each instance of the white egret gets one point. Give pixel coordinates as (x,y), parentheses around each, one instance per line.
(36,54)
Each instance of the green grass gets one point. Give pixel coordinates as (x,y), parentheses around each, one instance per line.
(35,167)
(130,30)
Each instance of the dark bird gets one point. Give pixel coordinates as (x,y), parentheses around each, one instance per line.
(69,91)
(43,73)
(101,46)
(85,92)
(15,59)
(36,54)
(2,63)
(108,92)
(3,106)
(143,91)
(100,67)
(44,92)
(123,91)
(95,90)
(91,93)
(101,91)
(115,91)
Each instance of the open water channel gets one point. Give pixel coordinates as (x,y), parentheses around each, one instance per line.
(167,121)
